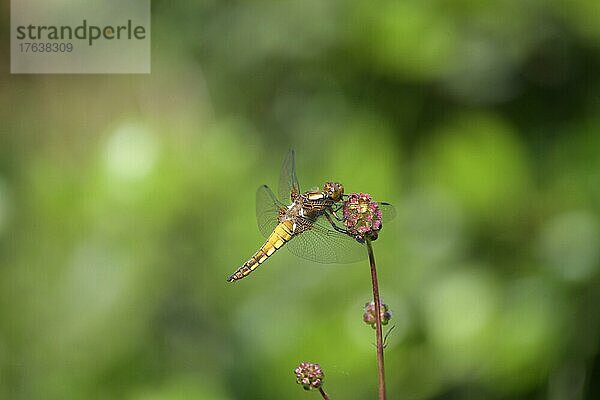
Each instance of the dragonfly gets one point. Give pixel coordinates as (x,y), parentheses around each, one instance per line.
(307,223)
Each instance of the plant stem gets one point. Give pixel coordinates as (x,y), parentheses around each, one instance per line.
(378,329)
(323,393)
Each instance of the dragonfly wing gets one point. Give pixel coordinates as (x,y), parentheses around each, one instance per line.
(267,210)
(324,245)
(388,211)
(288,181)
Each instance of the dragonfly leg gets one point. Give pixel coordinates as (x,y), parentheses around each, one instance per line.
(334,226)
(341,219)
(334,212)
(358,238)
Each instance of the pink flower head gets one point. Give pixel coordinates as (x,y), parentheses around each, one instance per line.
(362,216)
(309,375)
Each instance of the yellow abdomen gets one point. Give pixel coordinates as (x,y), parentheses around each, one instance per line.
(281,234)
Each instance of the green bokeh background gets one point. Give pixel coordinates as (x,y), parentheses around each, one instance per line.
(126,201)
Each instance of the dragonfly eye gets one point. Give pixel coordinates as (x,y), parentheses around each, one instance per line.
(334,190)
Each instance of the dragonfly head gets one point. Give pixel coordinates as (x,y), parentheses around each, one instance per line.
(333,190)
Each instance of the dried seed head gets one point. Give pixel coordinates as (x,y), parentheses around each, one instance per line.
(369,315)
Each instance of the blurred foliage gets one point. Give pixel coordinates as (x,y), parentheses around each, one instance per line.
(126,201)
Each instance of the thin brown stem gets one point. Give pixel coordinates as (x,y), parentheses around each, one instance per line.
(378,328)
(323,393)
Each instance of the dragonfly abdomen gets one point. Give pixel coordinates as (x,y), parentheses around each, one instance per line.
(282,234)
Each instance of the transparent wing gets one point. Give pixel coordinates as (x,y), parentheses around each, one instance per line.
(267,210)
(288,182)
(388,211)
(324,245)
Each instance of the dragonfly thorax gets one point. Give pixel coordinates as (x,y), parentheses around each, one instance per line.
(308,205)
(294,210)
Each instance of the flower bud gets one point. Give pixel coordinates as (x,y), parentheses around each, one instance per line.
(309,375)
